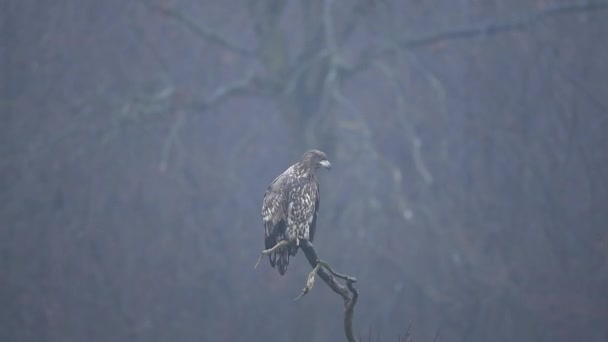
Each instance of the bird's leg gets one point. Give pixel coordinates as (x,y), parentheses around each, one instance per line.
(280,244)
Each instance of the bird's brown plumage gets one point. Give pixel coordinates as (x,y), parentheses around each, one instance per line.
(290,207)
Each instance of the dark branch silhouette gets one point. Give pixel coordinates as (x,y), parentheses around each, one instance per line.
(195,27)
(348,293)
(517,22)
(249,85)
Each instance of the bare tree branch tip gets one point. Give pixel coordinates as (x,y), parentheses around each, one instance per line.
(195,27)
(309,282)
(437,334)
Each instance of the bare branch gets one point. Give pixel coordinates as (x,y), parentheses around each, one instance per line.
(349,308)
(410,132)
(328,26)
(225,91)
(517,22)
(348,293)
(311,277)
(171,140)
(360,8)
(345,277)
(272,49)
(311,280)
(201,31)
(437,335)
(251,83)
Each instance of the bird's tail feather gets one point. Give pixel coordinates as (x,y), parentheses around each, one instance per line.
(272,257)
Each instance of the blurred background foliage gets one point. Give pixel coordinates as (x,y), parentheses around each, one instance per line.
(468,193)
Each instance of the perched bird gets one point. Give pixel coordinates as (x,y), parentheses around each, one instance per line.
(290,209)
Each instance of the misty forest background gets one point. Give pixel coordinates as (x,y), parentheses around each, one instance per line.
(468,138)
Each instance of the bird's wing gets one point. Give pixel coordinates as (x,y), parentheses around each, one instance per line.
(313,224)
(274,210)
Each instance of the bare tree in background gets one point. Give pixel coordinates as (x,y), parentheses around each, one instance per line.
(307,82)
(468,135)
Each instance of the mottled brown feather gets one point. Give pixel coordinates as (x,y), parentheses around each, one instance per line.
(290,207)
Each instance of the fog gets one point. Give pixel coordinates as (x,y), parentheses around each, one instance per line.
(468,192)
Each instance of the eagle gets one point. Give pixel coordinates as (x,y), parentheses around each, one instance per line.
(290,207)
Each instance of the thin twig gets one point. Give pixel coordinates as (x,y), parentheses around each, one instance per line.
(437,335)
(310,282)
(225,91)
(518,22)
(201,31)
(171,140)
(415,140)
(250,84)
(514,23)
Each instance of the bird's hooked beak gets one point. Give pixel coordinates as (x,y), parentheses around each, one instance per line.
(326,164)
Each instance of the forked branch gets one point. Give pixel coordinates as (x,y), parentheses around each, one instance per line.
(195,27)
(348,293)
(517,22)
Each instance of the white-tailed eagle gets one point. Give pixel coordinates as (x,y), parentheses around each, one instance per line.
(290,208)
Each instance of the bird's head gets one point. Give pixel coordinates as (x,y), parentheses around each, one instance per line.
(315,159)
